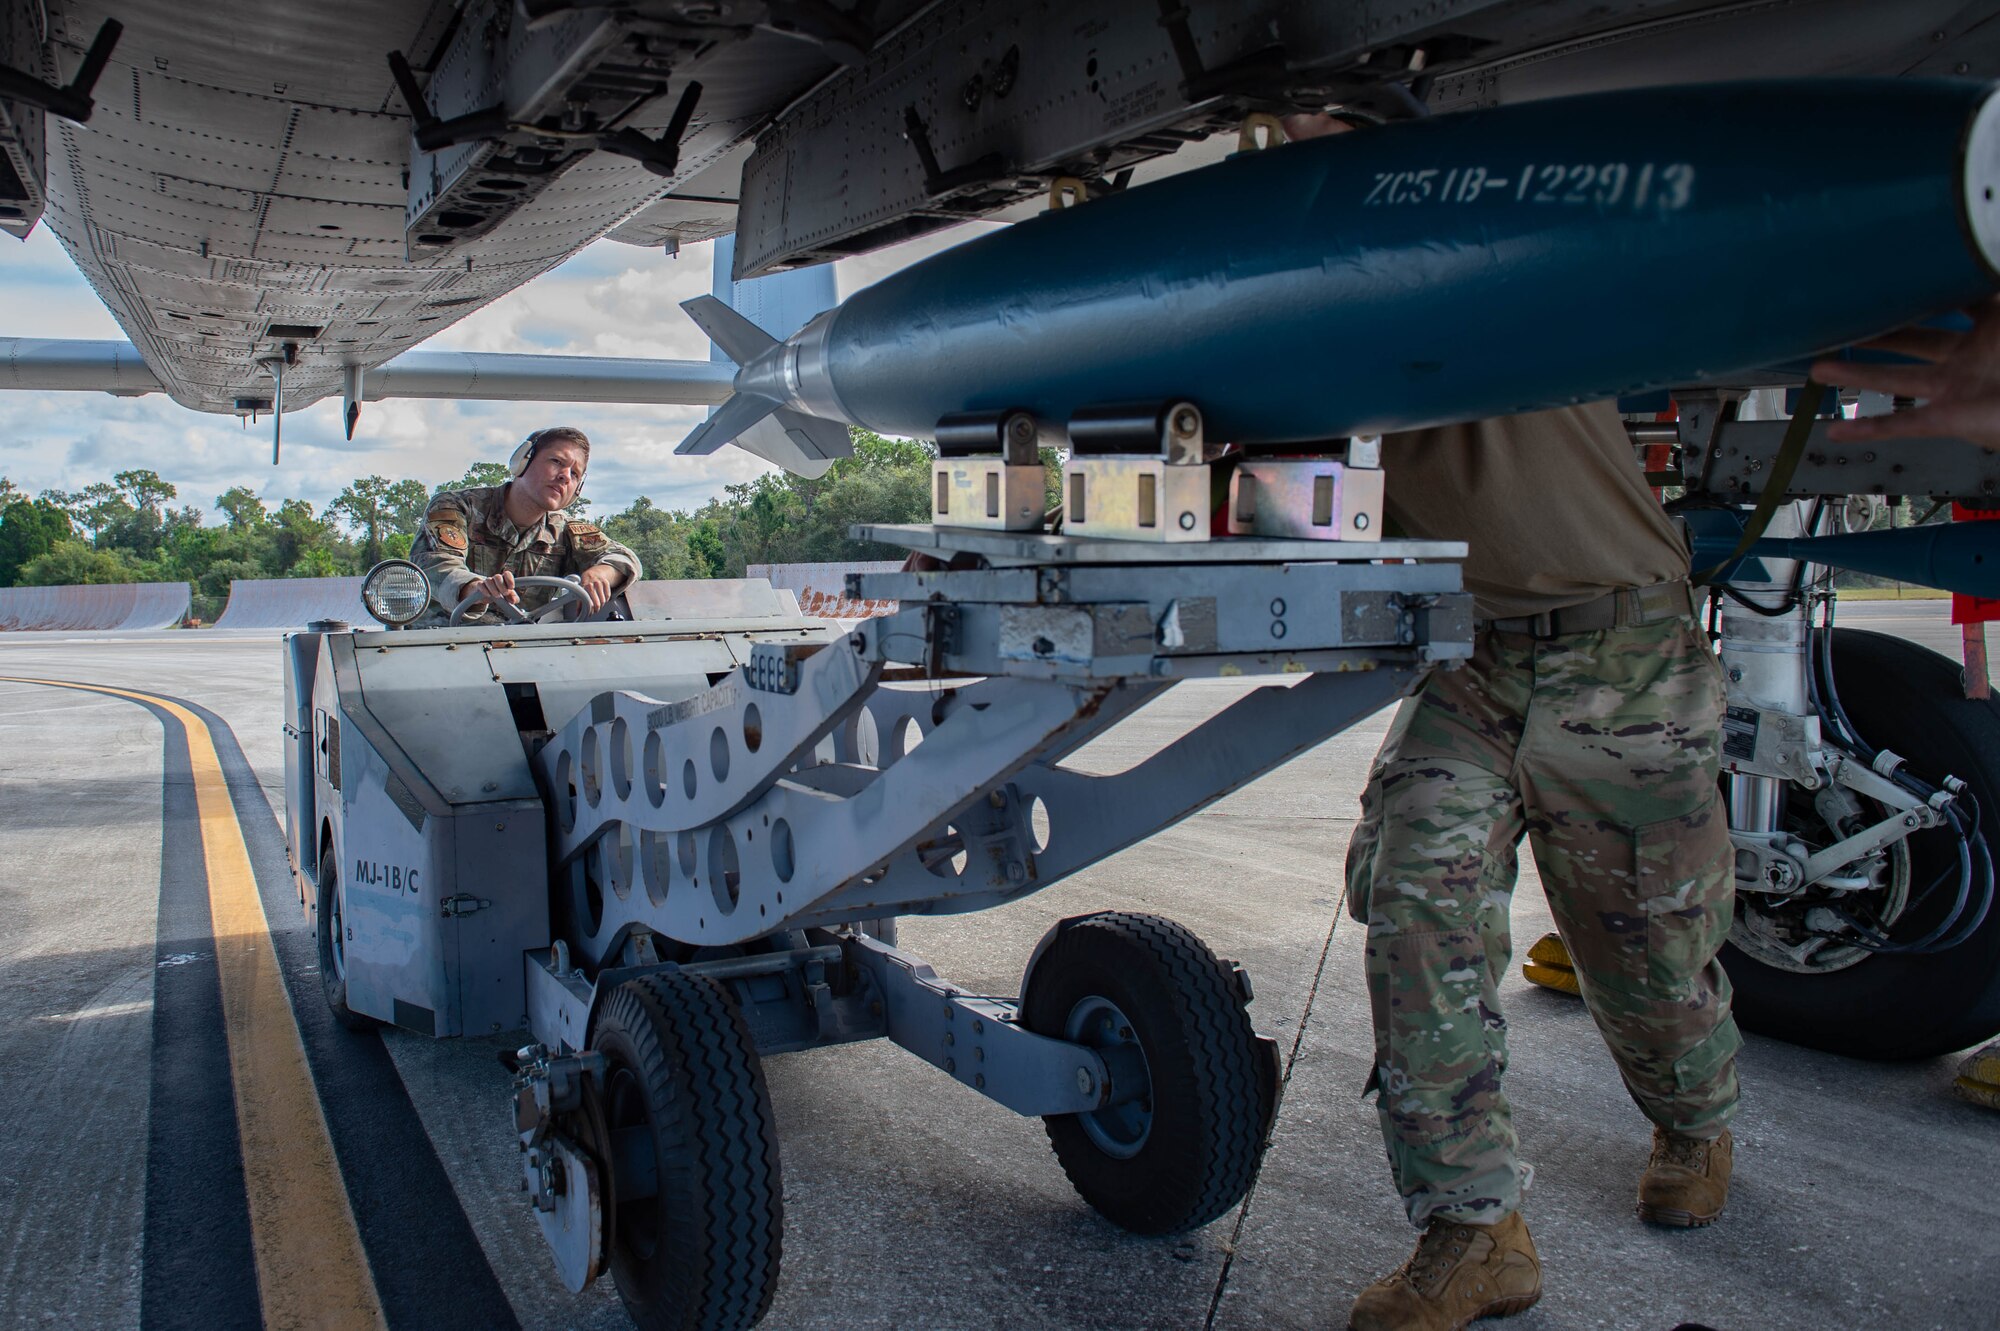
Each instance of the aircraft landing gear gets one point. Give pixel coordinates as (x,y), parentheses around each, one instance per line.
(1806,967)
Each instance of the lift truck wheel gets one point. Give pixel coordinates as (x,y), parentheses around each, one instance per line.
(329,917)
(700,1219)
(1187,1151)
(1907,698)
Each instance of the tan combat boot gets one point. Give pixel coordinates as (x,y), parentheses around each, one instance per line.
(1459,1273)
(1687,1180)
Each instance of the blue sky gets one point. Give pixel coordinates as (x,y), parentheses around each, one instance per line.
(609,300)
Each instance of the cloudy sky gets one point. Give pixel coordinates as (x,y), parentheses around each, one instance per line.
(610,300)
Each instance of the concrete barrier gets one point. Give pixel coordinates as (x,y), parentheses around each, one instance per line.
(292,603)
(116,605)
(822,588)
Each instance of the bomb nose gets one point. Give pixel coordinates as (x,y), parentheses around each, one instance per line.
(1981,182)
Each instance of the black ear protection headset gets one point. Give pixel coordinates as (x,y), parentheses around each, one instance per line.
(524,452)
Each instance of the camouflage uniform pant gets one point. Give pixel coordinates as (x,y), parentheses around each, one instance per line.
(1602,748)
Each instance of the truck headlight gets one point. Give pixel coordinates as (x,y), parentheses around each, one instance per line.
(395,591)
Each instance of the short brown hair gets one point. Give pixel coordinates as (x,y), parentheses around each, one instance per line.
(563,434)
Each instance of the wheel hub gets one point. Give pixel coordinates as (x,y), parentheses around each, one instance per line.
(1121,1128)
(1797,929)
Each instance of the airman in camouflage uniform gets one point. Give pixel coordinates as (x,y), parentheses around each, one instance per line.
(1588,720)
(485,537)
(1602,748)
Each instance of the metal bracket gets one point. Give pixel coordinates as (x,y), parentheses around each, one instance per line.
(1136,473)
(1781,865)
(73,101)
(1137,499)
(493,124)
(551,1084)
(560,1000)
(1169,431)
(1703,413)
(1760,742)
(1739,455)
(1869,840)
(987,493)
(989,473)
(979,1042)
(1256,73)
(1313,499)
(1765,864)
(938,181)
(1092,622)
(774,666)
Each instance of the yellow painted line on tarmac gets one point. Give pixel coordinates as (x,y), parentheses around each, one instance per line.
(311,1270)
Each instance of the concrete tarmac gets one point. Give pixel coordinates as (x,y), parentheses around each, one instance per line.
(1864,1193)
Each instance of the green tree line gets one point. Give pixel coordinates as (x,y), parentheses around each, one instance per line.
(131,529)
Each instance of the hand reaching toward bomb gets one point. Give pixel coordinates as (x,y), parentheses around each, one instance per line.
(1958,382)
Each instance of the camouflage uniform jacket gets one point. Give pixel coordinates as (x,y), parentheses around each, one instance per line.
(466,535)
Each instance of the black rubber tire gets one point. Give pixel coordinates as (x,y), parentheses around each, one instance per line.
(331,982)
(1213,1098)
(702,1253)
(1910,699)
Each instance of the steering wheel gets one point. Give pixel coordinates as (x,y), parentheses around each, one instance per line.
(568,591)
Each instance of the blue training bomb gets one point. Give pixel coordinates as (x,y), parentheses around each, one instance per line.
(1429,271)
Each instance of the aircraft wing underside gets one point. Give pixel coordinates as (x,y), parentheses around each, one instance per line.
(253,192)
(243,192)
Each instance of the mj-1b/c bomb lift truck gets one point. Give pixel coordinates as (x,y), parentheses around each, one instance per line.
(671,847)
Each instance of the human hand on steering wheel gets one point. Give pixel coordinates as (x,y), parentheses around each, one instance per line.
(502,592)
(599,583)
(499,587)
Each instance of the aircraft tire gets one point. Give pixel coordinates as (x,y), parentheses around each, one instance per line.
(328,915)
(1189,1150)
(701,1253)
(1910,699)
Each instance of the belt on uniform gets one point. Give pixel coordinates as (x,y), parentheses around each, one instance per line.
(1628,607)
